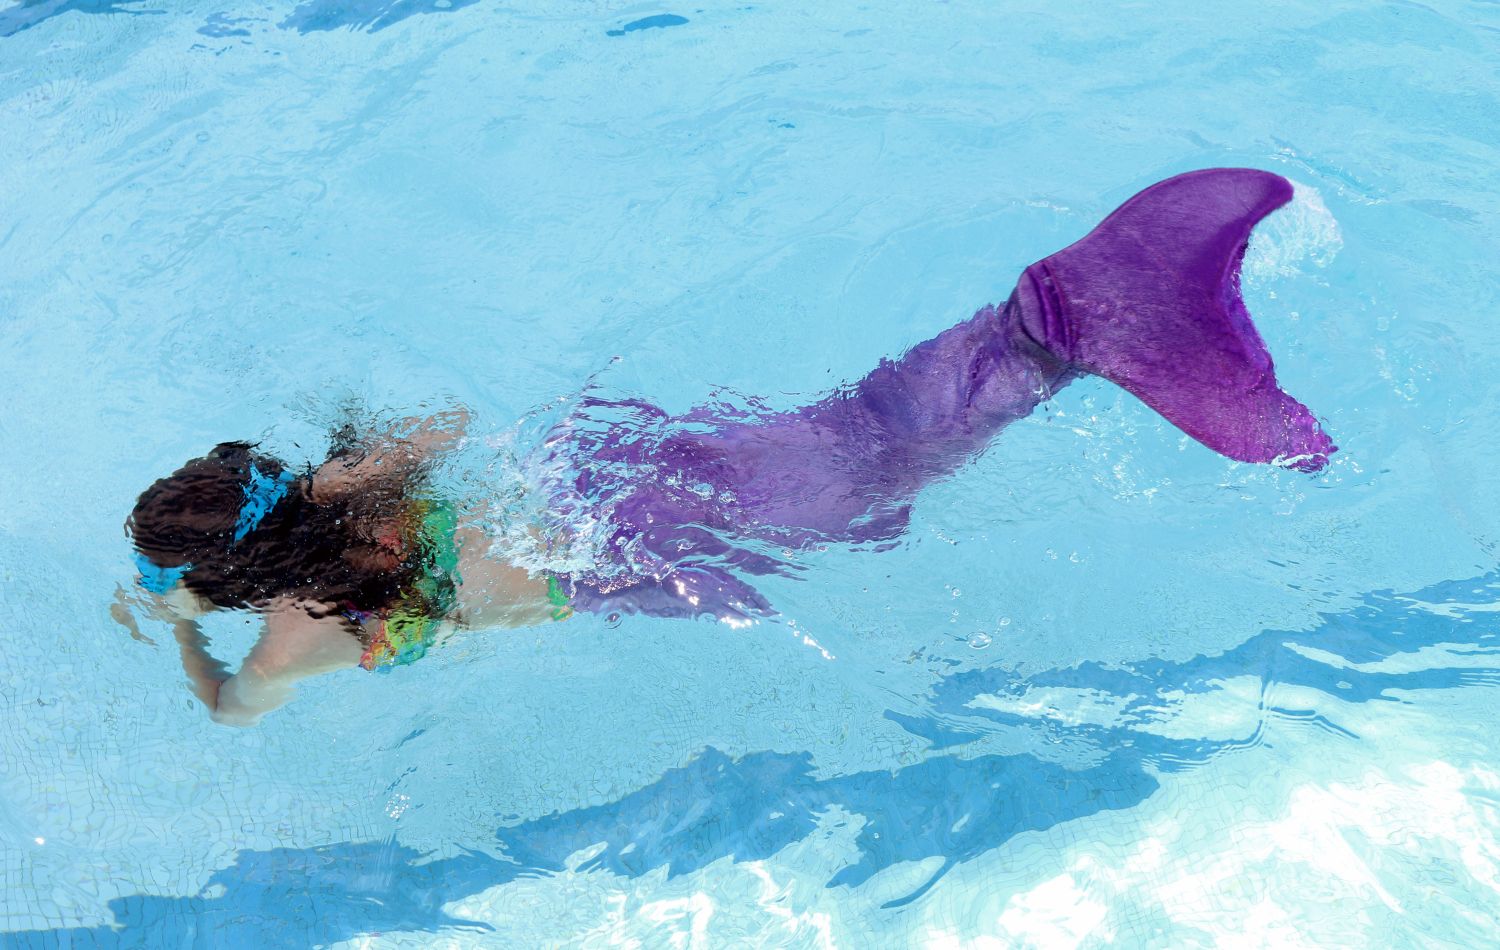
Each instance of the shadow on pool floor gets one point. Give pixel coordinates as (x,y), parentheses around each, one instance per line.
(749,808)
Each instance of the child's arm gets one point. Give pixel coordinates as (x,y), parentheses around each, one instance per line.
(394,454)
(293,647)
(205,674)
(180,609)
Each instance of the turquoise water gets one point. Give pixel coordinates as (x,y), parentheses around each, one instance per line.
(1111,688)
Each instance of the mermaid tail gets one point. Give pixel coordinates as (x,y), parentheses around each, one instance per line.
(1149,300)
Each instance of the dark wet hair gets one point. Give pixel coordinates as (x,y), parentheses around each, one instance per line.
(324,554)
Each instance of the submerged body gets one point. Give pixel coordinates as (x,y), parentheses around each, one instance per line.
(1149,299)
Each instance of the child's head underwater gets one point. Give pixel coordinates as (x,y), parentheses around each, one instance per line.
(239,529)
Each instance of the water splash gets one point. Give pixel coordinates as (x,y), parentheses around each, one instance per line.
(590,487)
(1302,232)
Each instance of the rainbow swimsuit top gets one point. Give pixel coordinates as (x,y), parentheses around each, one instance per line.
(411,624)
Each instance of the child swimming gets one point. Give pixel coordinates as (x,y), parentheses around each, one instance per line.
(362,561)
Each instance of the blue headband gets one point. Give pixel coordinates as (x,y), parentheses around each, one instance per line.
(261,495)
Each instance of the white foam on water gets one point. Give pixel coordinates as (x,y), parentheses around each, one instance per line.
(1302,233)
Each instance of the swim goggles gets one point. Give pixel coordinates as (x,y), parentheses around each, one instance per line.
(158,579)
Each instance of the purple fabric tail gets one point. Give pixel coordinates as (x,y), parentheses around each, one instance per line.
(1149,299)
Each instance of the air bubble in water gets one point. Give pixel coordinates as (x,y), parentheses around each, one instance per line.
(979,640)
(613,620)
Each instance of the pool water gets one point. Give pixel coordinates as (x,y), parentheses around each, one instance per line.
(1109,689)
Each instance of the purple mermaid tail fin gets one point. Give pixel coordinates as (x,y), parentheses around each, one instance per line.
(1150,300)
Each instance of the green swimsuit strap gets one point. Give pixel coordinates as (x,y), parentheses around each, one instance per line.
(558,598)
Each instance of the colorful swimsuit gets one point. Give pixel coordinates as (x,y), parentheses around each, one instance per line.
(410,626)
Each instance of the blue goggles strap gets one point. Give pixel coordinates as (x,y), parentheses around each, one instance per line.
(158,579)
(262,493)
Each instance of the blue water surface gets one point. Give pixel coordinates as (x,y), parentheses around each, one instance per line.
(1109,689)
